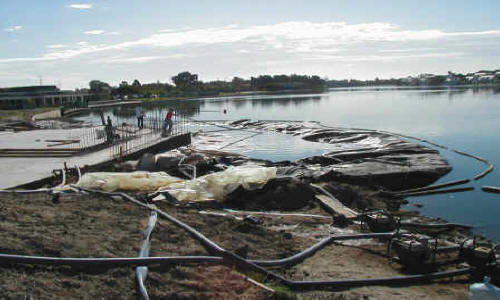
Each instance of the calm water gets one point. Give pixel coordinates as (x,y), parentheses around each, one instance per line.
(462,119)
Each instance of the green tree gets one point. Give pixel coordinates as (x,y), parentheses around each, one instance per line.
(97,86)
(186,80)
(99,89)
(437,80)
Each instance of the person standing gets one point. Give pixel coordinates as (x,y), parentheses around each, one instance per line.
(109,131)
(140,117)
(168,121)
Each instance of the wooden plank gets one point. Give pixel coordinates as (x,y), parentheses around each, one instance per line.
(333,205)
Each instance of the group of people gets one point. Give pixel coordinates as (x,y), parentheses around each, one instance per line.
(167,123)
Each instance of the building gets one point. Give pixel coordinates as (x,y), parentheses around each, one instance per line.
(27,97)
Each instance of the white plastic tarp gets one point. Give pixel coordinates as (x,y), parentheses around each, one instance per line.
(208,187)
(133,181)
(214,186)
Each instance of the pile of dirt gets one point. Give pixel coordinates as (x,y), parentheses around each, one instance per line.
(285,193)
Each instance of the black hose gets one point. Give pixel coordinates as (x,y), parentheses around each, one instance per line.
(432,192)
(434,187)
(213,248)
(297,285)
(491,189)
(437,225)
(347,283)
(106,262)
(251,266)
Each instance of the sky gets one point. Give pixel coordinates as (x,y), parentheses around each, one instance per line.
(69,43)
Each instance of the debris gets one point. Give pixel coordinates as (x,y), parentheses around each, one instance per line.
(217,186)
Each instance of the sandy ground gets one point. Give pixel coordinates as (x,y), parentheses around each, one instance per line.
(90,226)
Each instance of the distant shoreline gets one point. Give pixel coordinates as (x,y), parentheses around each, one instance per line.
(419,87)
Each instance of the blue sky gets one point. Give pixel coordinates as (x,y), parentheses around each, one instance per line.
(69,43)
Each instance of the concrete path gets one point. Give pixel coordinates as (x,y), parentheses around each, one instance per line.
(19,170)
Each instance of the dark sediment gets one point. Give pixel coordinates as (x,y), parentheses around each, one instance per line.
(365,157)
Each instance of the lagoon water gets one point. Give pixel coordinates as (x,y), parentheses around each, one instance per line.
(461,118)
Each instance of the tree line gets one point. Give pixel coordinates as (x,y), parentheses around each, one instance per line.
(188,84)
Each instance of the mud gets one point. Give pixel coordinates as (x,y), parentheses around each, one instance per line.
(365,157)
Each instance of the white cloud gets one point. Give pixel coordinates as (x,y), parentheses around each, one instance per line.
(139,59)
(408,50)
(94,32)
(56,46)
(301,37)
(380,58)
(13,28)
(100,32)
(80,6)
(330,48)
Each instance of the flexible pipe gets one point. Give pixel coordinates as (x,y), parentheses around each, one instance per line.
(106,262)
(348,283)
(142,271)
(432,192)
(491,189)
(437,225)
(298,285)
(434,187)
(215,249)
(251,266)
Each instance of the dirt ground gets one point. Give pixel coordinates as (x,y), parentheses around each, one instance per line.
(92,226)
